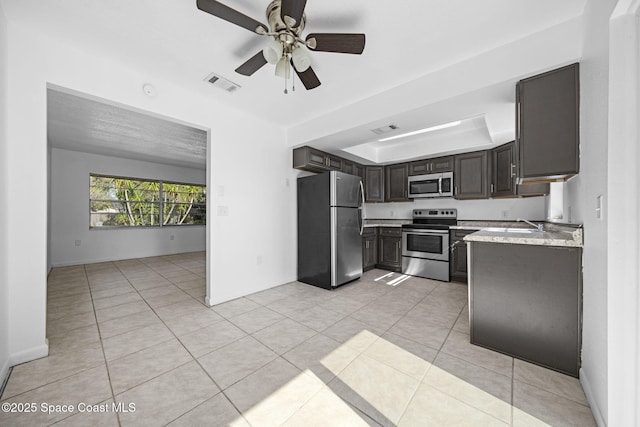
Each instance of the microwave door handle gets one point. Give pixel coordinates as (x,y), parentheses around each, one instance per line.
(440,185)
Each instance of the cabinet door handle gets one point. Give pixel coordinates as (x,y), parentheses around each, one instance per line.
(513,170)
(492,187)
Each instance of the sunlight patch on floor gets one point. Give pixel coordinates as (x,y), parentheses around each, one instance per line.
(381,378)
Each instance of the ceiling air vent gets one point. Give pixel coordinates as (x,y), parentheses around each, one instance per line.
(384,129)
(222,83)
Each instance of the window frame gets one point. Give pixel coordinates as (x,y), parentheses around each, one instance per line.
(160,203)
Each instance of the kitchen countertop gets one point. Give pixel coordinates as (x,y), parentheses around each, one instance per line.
(511,232)
(553,235)
(386,222)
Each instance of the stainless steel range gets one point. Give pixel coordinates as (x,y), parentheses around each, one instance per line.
(425,243)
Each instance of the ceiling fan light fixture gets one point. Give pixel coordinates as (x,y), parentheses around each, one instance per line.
(273,52)
(283,69)
(301,59)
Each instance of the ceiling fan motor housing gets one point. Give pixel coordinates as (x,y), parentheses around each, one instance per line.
(277,24)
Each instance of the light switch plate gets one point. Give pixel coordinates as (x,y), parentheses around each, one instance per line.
(599,207)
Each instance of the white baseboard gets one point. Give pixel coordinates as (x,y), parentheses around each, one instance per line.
(209,301)
(4,372)
(112,258)
(593,404)
(29,354)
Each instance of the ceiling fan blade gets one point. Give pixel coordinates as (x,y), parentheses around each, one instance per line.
(252,65)
(336,42)
(294,10)
(231,15)
(308,78)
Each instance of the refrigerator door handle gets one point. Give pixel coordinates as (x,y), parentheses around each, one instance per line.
(361,208)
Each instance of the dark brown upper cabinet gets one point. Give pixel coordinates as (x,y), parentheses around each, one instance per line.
(353,168)
(427,166)
(313,160)
(548,126)
(396,182)
(504,171)
(470,175)
(374,183)
(348,167)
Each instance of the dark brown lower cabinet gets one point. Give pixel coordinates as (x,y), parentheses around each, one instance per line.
(458,260)
(369,248)
(390,248)
(526,301)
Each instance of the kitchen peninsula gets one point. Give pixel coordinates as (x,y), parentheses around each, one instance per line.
(525,293)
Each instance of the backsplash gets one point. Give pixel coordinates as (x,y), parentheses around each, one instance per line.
(533,208)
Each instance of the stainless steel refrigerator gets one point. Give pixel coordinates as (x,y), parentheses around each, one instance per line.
(330,229)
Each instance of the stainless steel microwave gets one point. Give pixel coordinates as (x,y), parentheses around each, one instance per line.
(432,185)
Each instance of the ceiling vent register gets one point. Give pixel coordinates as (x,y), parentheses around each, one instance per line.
(384,129)
(222,83)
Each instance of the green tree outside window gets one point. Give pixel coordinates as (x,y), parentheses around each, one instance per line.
(125,202)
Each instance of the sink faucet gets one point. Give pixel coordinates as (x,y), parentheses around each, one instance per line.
(537,226)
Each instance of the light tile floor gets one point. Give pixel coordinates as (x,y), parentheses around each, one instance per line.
(132,343)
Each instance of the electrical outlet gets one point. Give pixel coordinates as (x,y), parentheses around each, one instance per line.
(172,237)
(78,242)
(391,213)
(223,210)
(259,259)
(505,214)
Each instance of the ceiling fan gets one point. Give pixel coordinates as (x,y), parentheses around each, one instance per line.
(287,49)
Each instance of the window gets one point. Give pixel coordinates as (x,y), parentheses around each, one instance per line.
(126,202)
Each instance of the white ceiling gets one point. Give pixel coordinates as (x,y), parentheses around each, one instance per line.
(408,40)
(79,123)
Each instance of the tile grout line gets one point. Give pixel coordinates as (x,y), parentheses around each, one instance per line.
(513,381)
(194,359)
(104,355)
(49,355)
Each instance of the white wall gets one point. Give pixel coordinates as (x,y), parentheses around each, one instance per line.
(532,208)
(582,192)
(623,285)
(4,279)
(246,156)
(70,212)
